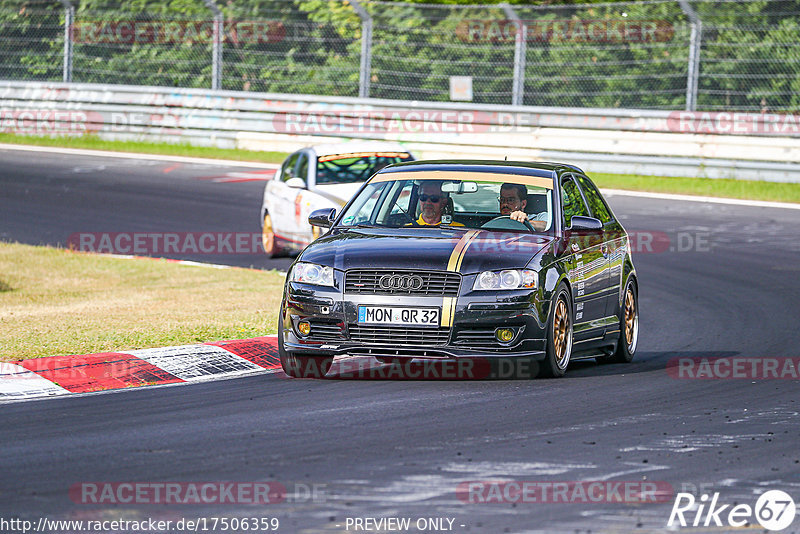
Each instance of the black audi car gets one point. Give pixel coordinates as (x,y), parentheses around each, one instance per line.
(464,259)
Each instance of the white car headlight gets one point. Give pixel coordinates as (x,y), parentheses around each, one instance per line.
(311,273)
(508,279)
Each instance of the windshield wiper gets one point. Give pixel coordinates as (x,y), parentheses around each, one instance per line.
(363,225)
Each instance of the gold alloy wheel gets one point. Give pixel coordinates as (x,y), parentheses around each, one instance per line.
(630,319)
(267,235)
(561,333)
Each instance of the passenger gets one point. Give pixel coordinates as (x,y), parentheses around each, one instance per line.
(513,200)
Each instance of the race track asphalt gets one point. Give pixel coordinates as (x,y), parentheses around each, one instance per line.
(726,286)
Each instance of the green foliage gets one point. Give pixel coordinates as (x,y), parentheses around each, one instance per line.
(750,58)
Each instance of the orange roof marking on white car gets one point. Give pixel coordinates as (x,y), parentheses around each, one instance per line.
(365,155)
(523,179)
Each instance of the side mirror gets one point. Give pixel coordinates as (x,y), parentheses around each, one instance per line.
(296,182)
(580,222)
(323,218)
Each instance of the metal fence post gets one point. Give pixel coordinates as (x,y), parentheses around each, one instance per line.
(216,51)
(366,49)
(520,44)
(69,17)
(695,43)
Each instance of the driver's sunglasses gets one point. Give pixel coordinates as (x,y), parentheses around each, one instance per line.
(508,200)
(433,198)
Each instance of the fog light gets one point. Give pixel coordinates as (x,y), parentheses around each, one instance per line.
(304,327)
(504,335)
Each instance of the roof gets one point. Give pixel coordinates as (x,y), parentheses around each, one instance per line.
(357,146)
(543,169)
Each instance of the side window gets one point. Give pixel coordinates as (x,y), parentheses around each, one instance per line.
(402,202)
(302,167)
(362,212)
(595,200)
(572,202)
(287,171)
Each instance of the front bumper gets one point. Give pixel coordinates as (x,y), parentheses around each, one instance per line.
(467,332)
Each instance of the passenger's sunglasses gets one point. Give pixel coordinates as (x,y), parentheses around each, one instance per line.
(433,198)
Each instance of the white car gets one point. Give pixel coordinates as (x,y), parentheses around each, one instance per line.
(317,177)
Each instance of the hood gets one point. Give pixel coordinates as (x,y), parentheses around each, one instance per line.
(339,193)
(425,249)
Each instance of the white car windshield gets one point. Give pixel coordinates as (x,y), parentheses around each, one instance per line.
(355,166)
(454,203)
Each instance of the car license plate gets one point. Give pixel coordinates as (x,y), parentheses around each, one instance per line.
(398,316)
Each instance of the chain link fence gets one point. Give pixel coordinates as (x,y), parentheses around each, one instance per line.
(660,54)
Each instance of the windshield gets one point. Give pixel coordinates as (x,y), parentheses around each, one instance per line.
(468,204)
(355,166)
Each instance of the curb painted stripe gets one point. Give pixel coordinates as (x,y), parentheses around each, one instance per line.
(262,351)
(61,375)
(197,362)
(16,382)
(139,156)
(98,372)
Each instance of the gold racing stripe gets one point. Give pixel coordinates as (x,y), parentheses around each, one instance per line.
(457,256)
(454,264)
(448,309)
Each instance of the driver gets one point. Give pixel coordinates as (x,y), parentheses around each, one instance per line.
(513,199)
(433,201)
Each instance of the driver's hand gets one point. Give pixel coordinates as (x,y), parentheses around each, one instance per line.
(518,216)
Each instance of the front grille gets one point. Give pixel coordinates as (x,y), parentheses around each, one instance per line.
(434,283)
(406,335)
(326,331)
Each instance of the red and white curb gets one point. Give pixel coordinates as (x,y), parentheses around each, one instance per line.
(63,375)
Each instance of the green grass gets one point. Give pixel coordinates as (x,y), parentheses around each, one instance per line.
(92,142)
(745,189)
(58,302)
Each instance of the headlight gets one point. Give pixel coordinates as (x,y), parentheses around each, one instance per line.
(311,273)
(508,279)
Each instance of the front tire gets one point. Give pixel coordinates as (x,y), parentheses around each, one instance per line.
(559,336)
(268,240)
(301,366)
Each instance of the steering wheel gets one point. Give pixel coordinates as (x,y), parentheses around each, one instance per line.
(524,222)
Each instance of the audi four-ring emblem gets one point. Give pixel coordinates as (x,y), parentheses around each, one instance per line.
(410,282)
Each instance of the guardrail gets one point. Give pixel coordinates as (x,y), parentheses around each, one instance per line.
(660,143)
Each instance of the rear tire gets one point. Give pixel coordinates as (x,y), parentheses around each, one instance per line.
(301,366)
(628,325)
(559,336)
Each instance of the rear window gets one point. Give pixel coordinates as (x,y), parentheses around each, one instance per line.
(356,166)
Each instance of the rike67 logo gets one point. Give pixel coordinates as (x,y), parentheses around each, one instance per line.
(774,510)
